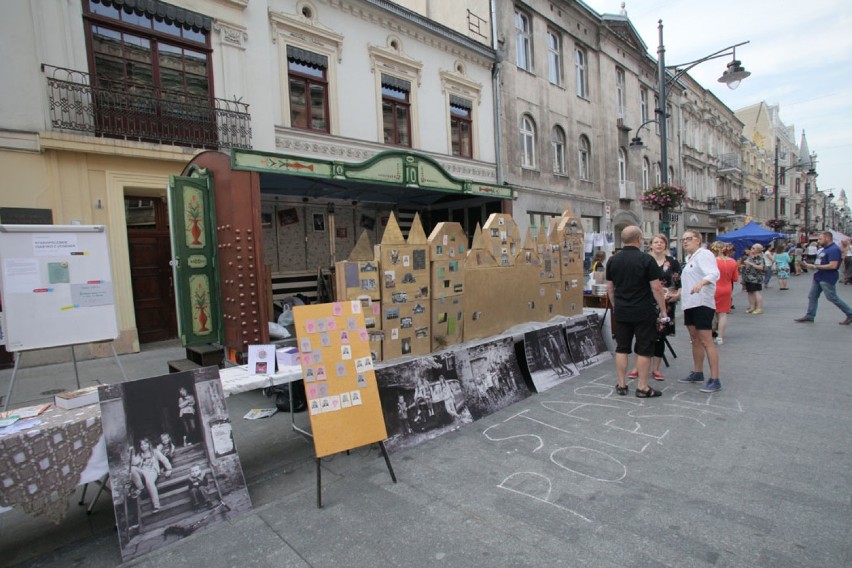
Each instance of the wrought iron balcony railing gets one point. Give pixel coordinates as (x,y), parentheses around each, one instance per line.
(150,115)
(726,206)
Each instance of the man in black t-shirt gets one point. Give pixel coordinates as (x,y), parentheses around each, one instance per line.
(635,293)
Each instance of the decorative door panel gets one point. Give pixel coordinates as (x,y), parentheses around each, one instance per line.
(194,252)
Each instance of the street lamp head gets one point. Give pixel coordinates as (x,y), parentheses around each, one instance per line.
(734,74)
(636,143)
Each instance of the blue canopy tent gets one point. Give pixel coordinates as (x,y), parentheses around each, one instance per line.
(748,235)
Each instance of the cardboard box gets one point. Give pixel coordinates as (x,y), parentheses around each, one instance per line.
(287,357)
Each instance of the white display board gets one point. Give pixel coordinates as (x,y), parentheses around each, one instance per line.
(57,286)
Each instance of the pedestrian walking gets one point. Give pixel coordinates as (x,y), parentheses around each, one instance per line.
(769,263)
(846,249)
(825,278)
(635,293)
(753,268)
(698,278)
(728,275)
(782,267)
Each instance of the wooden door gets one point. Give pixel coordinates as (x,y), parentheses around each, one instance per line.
(150,272)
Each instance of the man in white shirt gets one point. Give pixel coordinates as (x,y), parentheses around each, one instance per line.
(698,290)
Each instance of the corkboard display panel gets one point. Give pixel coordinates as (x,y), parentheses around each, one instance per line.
(340,383)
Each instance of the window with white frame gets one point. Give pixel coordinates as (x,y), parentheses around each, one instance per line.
(584,158)
(523,45)
(527,132)
(643,104)
(619,91)
(554,58)
(646,174)
(558,144)
(580,68)
(622,167)
(658,177)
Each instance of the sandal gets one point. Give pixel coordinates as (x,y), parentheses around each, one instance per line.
(650,393)
(633,375)
(622,390)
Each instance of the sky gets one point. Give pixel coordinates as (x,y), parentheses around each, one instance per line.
(800,57)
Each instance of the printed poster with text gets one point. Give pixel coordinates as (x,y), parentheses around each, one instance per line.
(340,383)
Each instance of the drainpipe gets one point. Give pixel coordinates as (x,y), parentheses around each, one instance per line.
(495,85)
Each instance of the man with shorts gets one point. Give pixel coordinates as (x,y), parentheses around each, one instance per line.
(698,296)
(635,294)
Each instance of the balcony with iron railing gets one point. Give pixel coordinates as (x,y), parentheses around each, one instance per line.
(726,206)
(149,116)
(729,163)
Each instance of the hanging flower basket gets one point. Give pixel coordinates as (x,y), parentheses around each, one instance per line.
(664,196)
(776,224)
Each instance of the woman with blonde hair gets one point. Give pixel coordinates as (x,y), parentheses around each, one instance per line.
(670,279)
(728,275)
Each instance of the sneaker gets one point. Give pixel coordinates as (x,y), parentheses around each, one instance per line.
(712,385)
(633,375)
(749,310)
(803,320)
(719,341)
(692,378)
(847,321)
(756,312)
(658,376)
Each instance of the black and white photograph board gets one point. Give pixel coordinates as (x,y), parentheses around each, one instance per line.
(422,399)
(491,376)
(174,468)
(585,341)
(547,358)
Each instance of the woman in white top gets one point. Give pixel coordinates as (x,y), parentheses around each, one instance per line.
(698,277)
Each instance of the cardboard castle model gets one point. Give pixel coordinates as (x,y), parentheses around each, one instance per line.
(425,294)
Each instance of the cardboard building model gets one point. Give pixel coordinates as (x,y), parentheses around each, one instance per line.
(448,248)
(421,295)
(405,285)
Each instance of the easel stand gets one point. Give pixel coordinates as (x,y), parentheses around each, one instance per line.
(76,371)
(319,472)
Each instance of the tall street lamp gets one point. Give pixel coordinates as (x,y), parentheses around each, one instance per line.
(733,76)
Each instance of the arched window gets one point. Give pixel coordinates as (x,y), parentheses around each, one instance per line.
(622,166)
(527,131)
(646,174)
(584,158)
(557,142)
(658,176)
